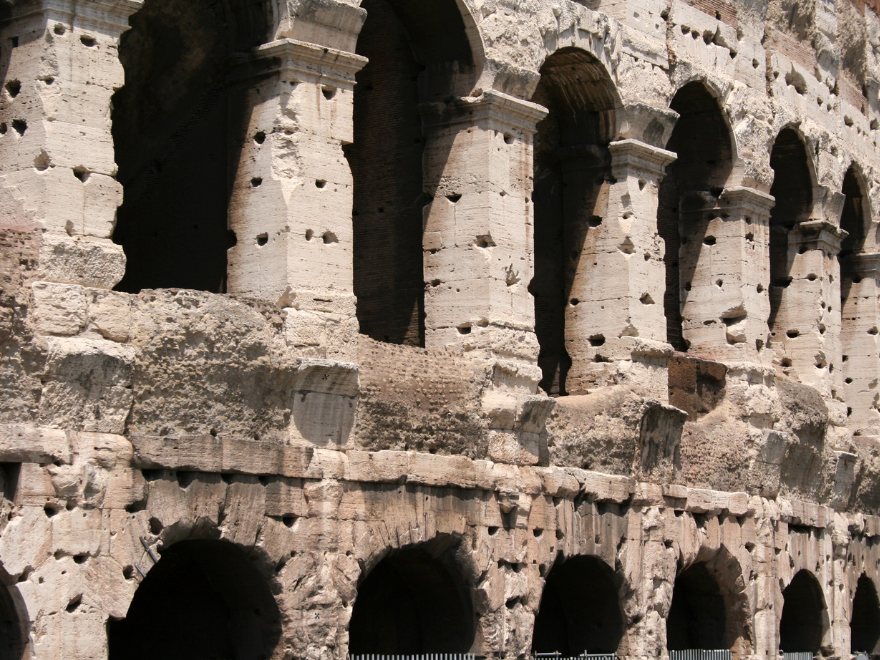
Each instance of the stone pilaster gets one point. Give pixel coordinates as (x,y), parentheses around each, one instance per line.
(291,199)
(57,172)
(860,320)
(805,335)
(614,315)
(478,240)
(725,273)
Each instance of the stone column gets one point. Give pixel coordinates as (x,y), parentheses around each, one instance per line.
(859,342)
(725,273)
(806,331)
(614,316)
(58,193)
(478,240)
(291,199)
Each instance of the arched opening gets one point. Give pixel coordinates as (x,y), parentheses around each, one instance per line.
(580,609)
(414,601)
(698,616)
(852,221)
(693,182)
(418,52)
(171,122)
(804,618)
(572,166)
(793,190)
(203,600)
(865,622)
(12,637)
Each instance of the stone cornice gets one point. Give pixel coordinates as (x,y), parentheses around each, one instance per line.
(493,107)
(639,157)
(747,199)
(88,13)
(819,235)
(298,57)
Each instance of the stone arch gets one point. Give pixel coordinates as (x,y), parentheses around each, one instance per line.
(203,599)
(572,169)
(793,190)
(856,216)
(865,619)
(170,124)
(706,152)
(415,599)
(13,625)
(419,52)
(580,610)
(804,620)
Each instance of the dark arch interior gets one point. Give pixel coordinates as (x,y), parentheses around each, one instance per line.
(702,142)
(170,125)
(793,190)
(571,161)
(865,624)
(580,609)
(203,600)
(802,622)
(697,616)
(852,221)
(418,51)
(11,632)
(414,601)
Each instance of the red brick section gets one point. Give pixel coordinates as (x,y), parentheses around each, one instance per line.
(386,163)
(723,11)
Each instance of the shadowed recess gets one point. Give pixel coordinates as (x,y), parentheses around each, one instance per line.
(803,615)
(793,190)
(572,164)
(414,601)
(203,600)
(580,609)
(11,632)
(697,617)
(170,126)
(865,623)
(703,144)
(852,221)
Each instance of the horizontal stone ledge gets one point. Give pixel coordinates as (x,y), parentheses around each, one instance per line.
(23,443)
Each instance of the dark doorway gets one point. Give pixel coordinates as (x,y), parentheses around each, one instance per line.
(415,49)
(865,623)
(852,221)
(171,120)
(571,164)
(803,615)
(12,638)
(204,600)
(414,601)
(793,190)
(697,616)
(580,609)
(702,141)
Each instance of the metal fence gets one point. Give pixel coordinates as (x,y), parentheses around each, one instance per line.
(582,656)
(701,654)
(415,656)
(797,655)
(863,656)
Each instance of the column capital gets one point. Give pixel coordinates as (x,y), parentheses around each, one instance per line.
(299,58)
(496,110)
(866,264)
(819,235)
(639,157)
(89,14)
(748,200)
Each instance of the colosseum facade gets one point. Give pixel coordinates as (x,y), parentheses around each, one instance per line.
(483,327)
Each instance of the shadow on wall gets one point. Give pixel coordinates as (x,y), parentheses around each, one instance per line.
(804,616)
(865,623)
(171,125)
(580,609)
(697,617)
(416,600)
(203,600)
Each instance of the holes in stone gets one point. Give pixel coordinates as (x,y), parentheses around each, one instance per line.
(81,173)
(329,237)
(484,241)
(849,412)
(262,239)
(156,526)
(328,92)
(594,221)
(786,362)
(453,198)
(80,559)
(642,184)
(719,283)
(3,128)
(709,240)
(508,138)
(259,137)
(49,510)
(128,572)
(812,277)
(872,331)
(760,288)
(759,345)
(646,299)
(256,181)
(464,329)
(13,41)
(597,340)
(41,161)
(537,532)
(288,520)
(848,381)
(687,286)
(845,357)
(750,236)
(19,125)
(59,29)
(309,234)
(87,41)
(492,531)
(13,87)
(791,334)
(74,603)
(320,183)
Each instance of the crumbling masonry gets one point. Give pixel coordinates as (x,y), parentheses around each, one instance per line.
(333,327)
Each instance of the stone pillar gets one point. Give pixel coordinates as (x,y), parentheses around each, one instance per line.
(859,342)
(806,331)
(478,240)
(724,271)
(57,185)
(614,316)
(291,199)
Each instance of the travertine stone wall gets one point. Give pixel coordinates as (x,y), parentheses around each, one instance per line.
(133,424)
